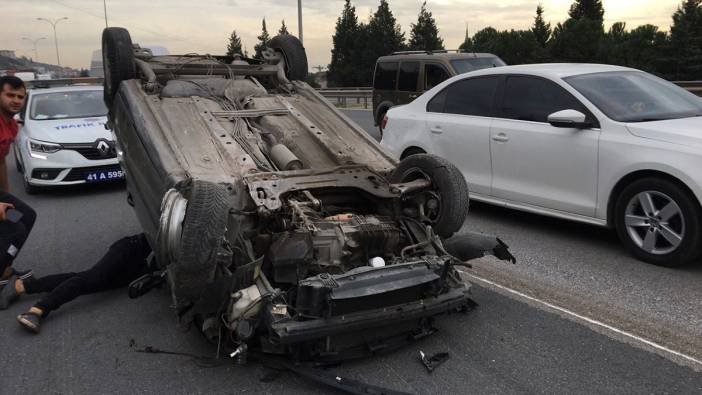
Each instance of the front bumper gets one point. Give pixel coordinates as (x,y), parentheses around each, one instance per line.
(65,167)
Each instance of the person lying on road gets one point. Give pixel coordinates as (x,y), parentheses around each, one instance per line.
(125,261)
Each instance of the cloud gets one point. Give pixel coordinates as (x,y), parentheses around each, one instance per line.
(185,26)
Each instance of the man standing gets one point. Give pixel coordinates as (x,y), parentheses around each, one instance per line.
(13,231)
(12,96)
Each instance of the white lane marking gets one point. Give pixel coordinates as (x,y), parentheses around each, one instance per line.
(587,319)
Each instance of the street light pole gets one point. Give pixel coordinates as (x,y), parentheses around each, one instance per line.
(299,19)
(34,45)
(53,24)
(104,6)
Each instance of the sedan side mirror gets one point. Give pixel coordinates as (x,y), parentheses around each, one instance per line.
(569,119)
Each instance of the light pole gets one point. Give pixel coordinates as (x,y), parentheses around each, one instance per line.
(104,6)
(299,19)
(34,45)
(53,24)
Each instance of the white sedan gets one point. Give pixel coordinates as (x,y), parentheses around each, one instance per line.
(600,144)
(63,140)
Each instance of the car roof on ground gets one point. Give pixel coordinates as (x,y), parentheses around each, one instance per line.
(551,70)
(434,55)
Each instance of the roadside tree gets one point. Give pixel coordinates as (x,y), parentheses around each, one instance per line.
(424,35)
(263,39)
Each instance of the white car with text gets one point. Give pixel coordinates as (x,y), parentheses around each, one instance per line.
(605,145)
(63,140)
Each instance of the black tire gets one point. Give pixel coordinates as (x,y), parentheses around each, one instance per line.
(203,230)
(447,181)
(294,54)
(117,60)
(29,189)
(688,222)
(412,151)
(18,165)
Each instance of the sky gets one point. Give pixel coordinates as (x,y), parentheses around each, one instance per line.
(203,26)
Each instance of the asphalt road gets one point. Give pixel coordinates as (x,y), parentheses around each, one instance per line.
(585,269)
(92,345)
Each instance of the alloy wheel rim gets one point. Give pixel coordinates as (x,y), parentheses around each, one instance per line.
(654,222)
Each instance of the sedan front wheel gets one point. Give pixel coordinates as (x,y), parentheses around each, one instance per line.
(659,222)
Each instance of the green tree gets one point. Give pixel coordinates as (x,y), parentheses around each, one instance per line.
(590,9)
(424,34)
(234,45)
(614,45)
(512,46)
(343,69)
(263,40)
(283,29)
(578,39)
(646,49)
(484,40)
(384,37)
(686,41)
(541,29)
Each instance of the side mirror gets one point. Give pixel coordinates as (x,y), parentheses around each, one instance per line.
(19,119)
(571,119)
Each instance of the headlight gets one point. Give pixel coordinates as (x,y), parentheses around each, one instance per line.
(43,147)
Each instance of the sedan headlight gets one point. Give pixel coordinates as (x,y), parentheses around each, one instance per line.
(43,147)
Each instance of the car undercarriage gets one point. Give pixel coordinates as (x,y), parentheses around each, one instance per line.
(280,225)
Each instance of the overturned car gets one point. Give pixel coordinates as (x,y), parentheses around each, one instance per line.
(279,224)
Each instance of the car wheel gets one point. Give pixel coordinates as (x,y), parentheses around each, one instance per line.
(203,230)
(29,189)
(18,165)
(659,222)
(412,151)
(294,53)
(117,60)
(446,202)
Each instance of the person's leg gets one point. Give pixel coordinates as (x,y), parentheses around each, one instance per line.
(123,262)
(13,235)
(42,284)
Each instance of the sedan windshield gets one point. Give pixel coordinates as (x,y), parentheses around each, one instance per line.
(74,104)
(634,96)
(467,65)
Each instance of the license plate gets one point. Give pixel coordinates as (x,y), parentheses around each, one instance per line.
(104,175)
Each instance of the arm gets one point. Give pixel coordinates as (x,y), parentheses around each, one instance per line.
(4,184)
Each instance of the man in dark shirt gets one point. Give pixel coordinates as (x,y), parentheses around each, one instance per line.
(12,233)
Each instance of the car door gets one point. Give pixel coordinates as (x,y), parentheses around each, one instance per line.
(408,82)
(536,163)
(458,123)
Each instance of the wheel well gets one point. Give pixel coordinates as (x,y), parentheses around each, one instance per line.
(382,109)
(411,151)
(637,175)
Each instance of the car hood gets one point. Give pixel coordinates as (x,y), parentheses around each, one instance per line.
(684,131)
(75,130)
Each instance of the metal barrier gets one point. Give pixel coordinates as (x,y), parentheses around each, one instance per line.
(364,95)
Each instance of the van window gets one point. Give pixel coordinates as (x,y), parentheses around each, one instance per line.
(385,76)
(434,74)
(409,73)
